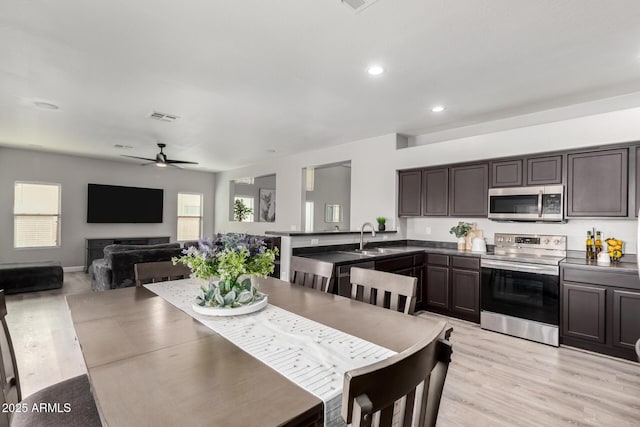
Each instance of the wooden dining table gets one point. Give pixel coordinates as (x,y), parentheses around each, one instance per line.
(151,364)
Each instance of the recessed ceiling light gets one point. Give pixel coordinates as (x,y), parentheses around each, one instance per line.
(438,109)
(376,70)
(46,105)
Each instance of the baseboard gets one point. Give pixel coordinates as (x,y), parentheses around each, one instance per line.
(73,269)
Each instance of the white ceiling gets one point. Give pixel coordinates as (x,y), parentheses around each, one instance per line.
(250,76)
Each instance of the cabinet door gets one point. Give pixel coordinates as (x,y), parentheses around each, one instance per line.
(583,312)
(637,180)
(626,318)
(435,192)
(544,170)
(437,287)
(409,193)
(597,183)
(418,272)
(465,294)
(507,173)
(468,190)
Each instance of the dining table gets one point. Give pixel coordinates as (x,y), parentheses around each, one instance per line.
(151,363)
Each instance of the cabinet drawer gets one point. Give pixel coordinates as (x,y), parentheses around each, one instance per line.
(438,259)
(471,263)
(394,264)
(599,277)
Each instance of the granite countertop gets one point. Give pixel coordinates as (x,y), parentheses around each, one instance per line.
(627,265)
(323,233)
(342,257)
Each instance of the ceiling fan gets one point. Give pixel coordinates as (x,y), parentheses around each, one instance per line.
(161,159)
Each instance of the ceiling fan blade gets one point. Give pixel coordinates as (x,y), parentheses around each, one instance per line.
(139,158)
(181,162)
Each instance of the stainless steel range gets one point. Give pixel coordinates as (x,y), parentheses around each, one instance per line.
(521,287)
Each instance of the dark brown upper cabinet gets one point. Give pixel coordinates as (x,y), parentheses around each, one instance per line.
(544,170)
(409,193)
(637,153)
(435,192)
(507,173)
(597,183)
(468,190)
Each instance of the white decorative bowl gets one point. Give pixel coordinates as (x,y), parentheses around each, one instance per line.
(220,311)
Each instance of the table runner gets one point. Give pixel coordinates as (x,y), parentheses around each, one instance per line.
(310,354)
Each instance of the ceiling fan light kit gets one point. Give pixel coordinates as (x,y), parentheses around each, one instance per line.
(161,159)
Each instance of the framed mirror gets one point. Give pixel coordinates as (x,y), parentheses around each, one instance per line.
(253,199)
(331,213)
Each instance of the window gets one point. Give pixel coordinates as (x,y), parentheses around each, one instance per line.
(189,216)
(248,202)
(36,215)
(308,216)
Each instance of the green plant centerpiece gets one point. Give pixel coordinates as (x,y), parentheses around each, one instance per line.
(227,264)
(381,223)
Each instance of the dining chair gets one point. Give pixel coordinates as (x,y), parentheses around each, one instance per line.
(311,273)
(414,378)
(66,404)
(161,271)
(388,290)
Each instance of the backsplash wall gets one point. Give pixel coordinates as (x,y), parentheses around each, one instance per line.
(574,229)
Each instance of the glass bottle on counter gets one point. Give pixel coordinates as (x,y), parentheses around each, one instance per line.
(590,253)
(598,244)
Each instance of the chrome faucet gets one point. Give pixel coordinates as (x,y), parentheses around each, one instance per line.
(373,233)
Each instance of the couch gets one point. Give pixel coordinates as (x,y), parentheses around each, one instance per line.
(115,270)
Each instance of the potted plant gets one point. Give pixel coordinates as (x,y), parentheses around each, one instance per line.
(381,223)
(460,231)
(241,211)
(227,264)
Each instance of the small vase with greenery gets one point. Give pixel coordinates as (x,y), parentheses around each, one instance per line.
(381,223)
(460,231)
(241,211)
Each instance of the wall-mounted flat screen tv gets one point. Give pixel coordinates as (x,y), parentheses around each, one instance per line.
(116,204)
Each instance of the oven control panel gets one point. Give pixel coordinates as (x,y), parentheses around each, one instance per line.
(538,241)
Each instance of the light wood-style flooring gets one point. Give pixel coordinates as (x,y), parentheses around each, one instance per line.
(493,380)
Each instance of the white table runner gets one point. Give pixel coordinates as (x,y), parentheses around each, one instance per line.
(312,355)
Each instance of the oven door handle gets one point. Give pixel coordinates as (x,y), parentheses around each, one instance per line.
(550,270)
(540,204)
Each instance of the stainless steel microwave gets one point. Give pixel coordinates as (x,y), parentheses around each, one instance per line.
(539,203)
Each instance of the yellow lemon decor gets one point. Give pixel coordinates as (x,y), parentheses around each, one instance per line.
(614,246)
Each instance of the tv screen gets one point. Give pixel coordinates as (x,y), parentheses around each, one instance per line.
(115,204)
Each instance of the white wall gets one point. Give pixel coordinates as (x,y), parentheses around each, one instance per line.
(74,173)
(374,181)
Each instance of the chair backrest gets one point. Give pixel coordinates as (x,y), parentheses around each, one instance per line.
(638,349)
(151,272)
(311,273)
(10,381)
(388,290)
(414,377)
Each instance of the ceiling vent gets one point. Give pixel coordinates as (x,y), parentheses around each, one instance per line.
(358,5)
(163,117)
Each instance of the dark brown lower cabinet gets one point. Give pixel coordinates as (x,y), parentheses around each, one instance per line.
(407,265)
(600,310)
(583,314)
(452,286)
